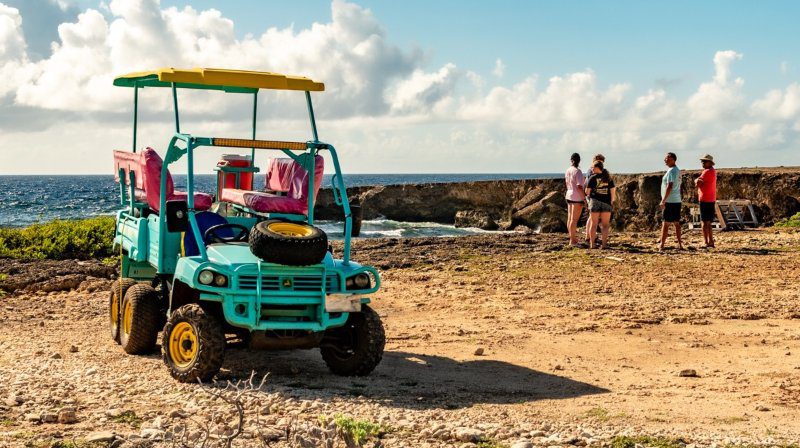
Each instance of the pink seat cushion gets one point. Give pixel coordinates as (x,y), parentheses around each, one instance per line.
(284,175)
(202,201)
(147,167)
(279,174)
(287,176)
(298,185)
(264,202)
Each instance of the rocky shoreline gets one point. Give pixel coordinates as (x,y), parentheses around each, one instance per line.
(539,203)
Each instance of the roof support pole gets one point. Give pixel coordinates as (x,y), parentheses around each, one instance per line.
(135,112)
(175,105)
(255,112)
(311,116)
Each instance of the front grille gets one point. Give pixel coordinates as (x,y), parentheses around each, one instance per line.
(300,283)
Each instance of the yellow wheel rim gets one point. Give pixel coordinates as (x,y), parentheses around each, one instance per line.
(183,344)
(114,311)
(127,316)
(290,229)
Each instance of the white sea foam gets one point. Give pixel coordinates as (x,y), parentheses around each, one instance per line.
(387,228)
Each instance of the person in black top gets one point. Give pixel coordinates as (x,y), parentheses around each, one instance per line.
(601,192)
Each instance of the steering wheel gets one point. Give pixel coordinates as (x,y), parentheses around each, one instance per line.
(213,234)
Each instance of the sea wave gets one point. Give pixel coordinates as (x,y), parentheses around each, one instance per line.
(387,228)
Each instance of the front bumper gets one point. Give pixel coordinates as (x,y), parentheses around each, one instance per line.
(277,297)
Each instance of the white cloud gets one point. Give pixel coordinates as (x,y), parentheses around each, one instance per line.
(720,98)
(422,91)
(359,62)
(12,42)
(499,68)
(14,64)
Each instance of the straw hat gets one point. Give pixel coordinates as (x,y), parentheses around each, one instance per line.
(708,157)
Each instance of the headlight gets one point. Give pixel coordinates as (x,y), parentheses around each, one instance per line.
(220,280)
(211,278)
(206,277)
(358,281)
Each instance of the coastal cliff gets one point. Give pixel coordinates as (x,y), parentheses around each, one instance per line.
(539,203)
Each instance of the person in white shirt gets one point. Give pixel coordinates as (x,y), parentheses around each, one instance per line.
(575,197)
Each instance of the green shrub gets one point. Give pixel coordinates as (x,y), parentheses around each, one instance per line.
(60,240)
(792,221)
(357,430)
(647,441)
(128,417)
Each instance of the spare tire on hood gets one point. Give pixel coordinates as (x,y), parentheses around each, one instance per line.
(288,242)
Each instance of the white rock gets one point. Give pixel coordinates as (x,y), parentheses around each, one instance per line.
(467,434)
(151,433)
(100,437)
(157,423)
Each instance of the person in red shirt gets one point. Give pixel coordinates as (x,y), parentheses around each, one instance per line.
(707,194)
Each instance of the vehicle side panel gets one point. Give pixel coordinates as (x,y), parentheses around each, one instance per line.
(171,245)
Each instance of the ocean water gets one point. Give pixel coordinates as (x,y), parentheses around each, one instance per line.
(25,200)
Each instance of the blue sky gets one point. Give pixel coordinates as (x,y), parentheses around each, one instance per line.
(645,42)
(493,86)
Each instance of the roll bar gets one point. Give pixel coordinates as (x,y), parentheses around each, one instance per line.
(306,159)
(174,152)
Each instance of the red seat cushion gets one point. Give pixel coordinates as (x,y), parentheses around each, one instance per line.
(264,202)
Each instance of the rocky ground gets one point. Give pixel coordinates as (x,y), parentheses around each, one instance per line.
(497,340)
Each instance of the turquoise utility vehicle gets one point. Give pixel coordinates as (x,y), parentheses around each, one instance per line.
(246,263)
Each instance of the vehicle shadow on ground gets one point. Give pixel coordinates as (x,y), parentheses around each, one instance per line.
(407,380)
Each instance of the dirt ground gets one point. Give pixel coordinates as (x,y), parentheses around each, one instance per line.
(578,347)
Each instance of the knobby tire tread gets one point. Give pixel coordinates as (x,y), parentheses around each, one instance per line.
(144,320)
(126,284)
(211,341)
(369,355)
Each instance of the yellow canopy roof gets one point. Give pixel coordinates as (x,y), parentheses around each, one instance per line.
(218,79)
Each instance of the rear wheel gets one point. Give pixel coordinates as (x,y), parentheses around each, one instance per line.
(356,348)
(193,344)
(118,290)
(139,319)
(289,243)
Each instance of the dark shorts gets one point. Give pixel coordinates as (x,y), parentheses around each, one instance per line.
(574,202)
(596,206)
(708,211)
(672,212)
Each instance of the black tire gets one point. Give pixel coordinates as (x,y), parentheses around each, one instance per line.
(139,336)
(300,249)
(356,348)
(208,353)
(114,304)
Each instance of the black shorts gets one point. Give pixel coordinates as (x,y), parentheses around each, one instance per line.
(569,201)
(708,211)
(672,212)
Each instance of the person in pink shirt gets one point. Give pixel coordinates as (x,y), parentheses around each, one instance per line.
(575,197)
(707,195)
